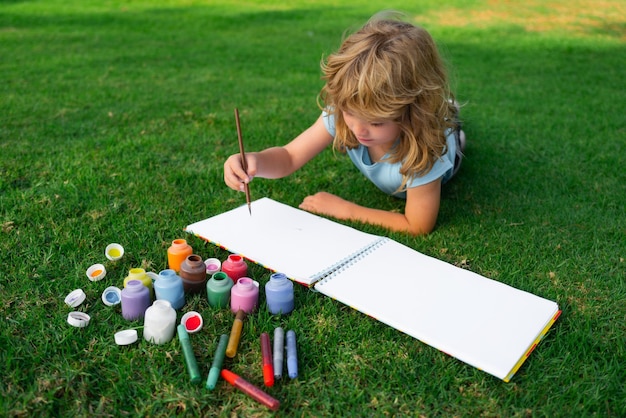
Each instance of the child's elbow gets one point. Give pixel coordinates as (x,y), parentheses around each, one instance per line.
(421,228)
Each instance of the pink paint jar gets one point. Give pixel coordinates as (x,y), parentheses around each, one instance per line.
(244,295)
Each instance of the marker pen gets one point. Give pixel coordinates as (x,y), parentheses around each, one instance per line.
(190,358)
(268,367)
(250,390)
(292,355)
(235,334)
(279,348)
(218,360)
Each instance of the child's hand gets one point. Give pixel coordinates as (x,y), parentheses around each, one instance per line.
(324,203)
(234,174)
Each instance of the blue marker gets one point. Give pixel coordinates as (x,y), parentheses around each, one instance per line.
(292,355)
(279,349)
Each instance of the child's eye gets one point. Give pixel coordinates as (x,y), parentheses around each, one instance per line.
(377,124)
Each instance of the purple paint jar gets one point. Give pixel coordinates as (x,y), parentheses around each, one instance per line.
(135,300)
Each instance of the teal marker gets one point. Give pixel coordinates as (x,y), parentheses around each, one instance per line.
(216,367)
(190,358)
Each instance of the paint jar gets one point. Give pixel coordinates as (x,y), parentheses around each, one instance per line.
(192,321)
(135,300)
(279,294)
(193,273)
(114,251)
(96,272)
(111,296)
(140,274)
(177,252)
(213,265)
(218,290)
(244,295)
(235,267)
(169,286)
(159,322)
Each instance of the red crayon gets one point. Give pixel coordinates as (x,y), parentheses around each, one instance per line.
(268,365)
(250,390)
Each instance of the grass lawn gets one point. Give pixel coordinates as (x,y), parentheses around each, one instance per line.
(116,118)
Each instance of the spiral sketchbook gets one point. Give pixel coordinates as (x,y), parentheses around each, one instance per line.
(480,321)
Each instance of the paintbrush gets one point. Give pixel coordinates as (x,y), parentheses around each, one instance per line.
(244,163)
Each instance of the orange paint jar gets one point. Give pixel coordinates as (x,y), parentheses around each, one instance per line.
(177,253)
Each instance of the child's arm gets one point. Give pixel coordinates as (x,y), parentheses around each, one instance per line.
(277,162)
(420,212)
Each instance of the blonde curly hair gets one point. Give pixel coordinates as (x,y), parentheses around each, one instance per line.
(392,70)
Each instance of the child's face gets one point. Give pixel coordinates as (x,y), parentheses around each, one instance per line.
(372,133)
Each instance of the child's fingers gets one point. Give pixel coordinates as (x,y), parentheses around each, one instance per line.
(234,174)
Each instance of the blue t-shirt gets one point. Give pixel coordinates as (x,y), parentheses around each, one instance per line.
(386,176)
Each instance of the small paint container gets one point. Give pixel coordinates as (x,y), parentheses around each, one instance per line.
(111,296)
(126,337)
(213,265)
(78,319)
(75,298)
(96,272)
(192,321)
(114,252)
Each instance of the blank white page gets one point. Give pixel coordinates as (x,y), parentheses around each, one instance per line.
(282,238)
(480,321)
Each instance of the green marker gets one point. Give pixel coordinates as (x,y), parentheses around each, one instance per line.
(190,358)
(216,367)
